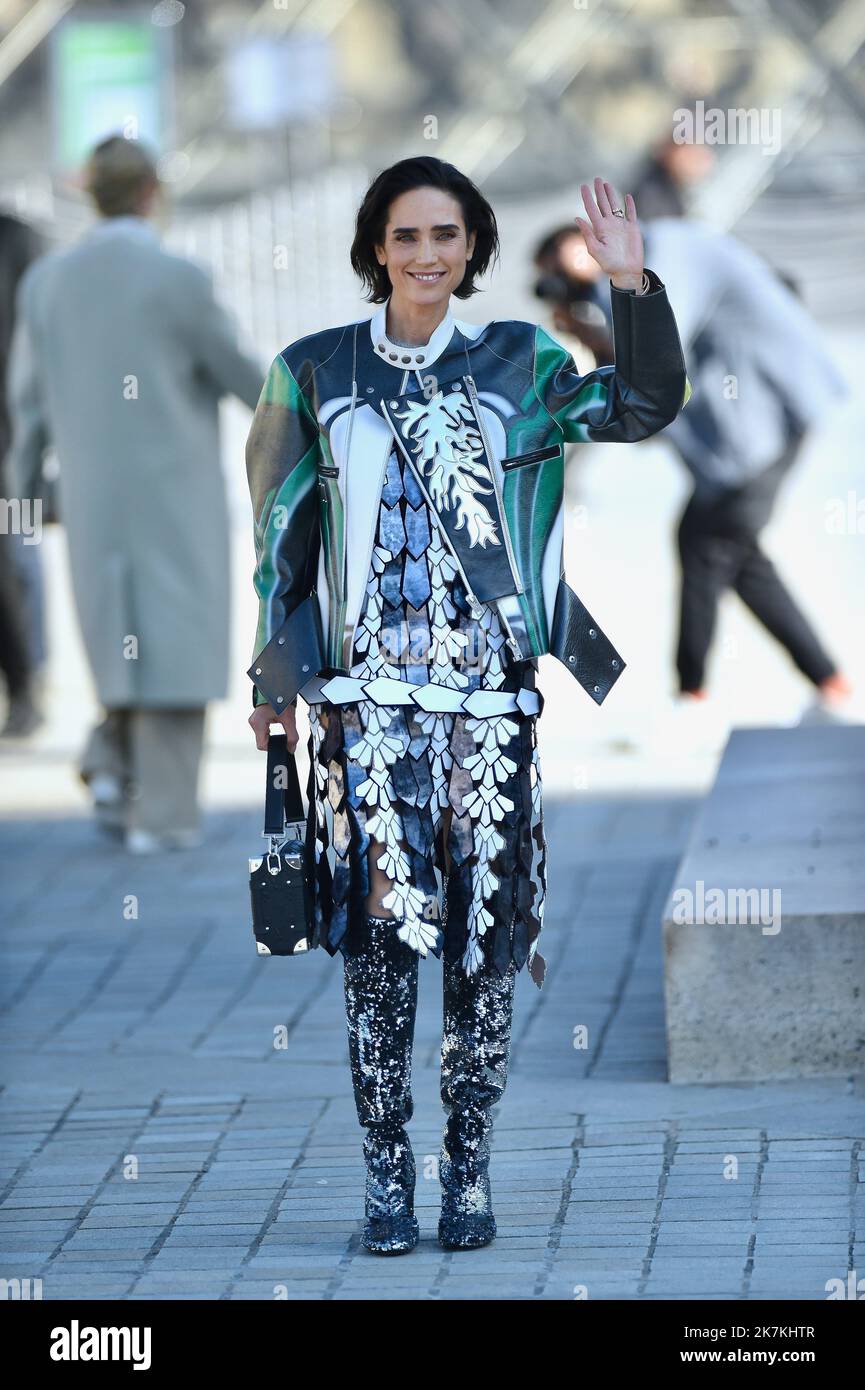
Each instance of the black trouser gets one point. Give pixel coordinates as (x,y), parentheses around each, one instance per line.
(15,660)
(719,549)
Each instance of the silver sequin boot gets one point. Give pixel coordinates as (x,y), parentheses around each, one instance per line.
(381,1002)
(476,1041)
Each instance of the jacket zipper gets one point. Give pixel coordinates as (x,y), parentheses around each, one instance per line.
(512,559)
(535,456)
(343,497)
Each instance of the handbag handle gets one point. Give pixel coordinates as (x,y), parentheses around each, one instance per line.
(281,803)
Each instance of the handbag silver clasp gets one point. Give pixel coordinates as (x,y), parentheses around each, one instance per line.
(277,842)
(274,860)
(295,859)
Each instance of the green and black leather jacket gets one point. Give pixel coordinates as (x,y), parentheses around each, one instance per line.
(482,412)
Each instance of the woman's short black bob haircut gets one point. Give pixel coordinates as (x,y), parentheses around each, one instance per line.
(423,172)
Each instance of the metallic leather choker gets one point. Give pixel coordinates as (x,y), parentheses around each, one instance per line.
(403,356)
(386,690)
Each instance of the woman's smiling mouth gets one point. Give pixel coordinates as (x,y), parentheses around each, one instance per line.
(426,277)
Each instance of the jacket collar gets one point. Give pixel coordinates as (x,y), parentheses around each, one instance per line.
(125,222)
(422,355)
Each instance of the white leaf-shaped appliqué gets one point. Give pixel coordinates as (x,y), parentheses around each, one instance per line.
(450,454)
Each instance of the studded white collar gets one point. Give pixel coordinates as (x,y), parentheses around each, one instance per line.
(422,354)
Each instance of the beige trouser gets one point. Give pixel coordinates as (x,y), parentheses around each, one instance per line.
(156,754)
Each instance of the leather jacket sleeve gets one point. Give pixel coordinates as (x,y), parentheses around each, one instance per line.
(282,453)
(635,397)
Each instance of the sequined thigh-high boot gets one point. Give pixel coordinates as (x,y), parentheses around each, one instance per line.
(381,1002)
(476,1041)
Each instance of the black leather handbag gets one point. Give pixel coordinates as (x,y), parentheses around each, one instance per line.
(281,882)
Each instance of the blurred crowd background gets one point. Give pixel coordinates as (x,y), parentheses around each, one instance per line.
(739,128)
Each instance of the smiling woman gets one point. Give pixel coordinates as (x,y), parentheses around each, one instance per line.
(406,474)
(416,245)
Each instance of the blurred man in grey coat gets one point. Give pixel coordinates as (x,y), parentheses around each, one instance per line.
(120,357)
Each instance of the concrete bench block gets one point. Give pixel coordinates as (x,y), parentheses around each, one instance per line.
(764,927)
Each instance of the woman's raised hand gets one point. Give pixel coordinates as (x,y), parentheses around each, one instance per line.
(616,243)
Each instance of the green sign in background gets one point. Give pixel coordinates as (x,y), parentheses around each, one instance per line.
(108,76)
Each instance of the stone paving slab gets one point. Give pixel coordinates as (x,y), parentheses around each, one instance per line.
(155,1143)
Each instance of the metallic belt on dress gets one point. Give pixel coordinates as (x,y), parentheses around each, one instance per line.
(386,690)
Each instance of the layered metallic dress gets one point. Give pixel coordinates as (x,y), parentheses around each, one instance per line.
(452,800)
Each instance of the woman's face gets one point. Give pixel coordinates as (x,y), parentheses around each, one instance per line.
(425,248)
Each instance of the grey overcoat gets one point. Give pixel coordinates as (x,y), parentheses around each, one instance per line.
(120,356)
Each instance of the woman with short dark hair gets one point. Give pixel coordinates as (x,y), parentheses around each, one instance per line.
(406,474)
(374,211)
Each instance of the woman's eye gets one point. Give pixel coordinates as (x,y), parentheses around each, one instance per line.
(442,236)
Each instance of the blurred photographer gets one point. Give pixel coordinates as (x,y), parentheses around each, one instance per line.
(740,324)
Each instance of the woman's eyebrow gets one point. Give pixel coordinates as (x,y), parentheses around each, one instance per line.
(439,227)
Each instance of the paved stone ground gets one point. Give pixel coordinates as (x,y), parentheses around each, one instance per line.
(157,1144)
